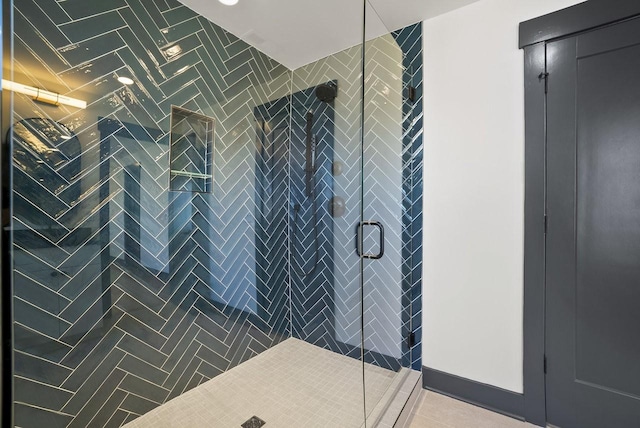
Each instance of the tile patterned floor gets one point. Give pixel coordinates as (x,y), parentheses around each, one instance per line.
(293,384)
(438,411)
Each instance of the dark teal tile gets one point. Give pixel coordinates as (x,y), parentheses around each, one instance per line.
(83,304)
(236,46)
(178,351)
(218,35)
(210,335)
(178,49)
(185,377)
(213,55)
(142,50)
(105,377)
(149,104)
(117,419)
(43,207)
(178,14)
(29,416)
(143,388)
(181,64)
(134,57)
(183,29)
(34,19)
(30,341)
(210,84)
(143,369)
(93,403)
(139,292)
(237,87)
(135,109)
(92,26)
(141,331)
(180,324)
(147,23)
(78,9)
(99,74)
(39,394)
(195,380)
(87,355)
(209,371)
(198,104)
(174,84)
(53,10)
(137,404)
(38,294)
(91,49)
(104,417)
(154,8)
(141,312)
(38,369)
(130,417)
(237,74)
(141,350)
(178,304)
(171,4)
(186,365)
(244,59)
(37,319)
(86,274)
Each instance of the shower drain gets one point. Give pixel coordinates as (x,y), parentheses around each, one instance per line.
(254,422)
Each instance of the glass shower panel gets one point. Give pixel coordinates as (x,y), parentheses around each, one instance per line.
(127,294)
(390,210)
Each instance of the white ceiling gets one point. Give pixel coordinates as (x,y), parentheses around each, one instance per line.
(298,32)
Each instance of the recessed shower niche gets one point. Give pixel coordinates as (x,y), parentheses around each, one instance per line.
(191,159)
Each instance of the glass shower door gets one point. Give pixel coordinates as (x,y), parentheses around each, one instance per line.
(391,206)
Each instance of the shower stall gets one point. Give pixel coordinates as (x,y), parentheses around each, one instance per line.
(195,234)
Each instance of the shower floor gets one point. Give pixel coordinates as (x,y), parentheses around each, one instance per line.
(293,384)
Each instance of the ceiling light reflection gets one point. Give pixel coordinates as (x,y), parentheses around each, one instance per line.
(125,80)
(41,95)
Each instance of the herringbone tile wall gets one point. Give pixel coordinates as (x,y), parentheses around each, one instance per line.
(340,327)
(126,294)
(285,231)
(410,41)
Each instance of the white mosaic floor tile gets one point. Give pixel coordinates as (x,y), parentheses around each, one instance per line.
(293,384)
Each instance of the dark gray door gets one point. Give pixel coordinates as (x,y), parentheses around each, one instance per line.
(593,239)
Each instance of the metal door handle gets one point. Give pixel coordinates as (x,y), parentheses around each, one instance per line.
(359,240)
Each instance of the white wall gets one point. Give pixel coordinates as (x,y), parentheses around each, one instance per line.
(474,190)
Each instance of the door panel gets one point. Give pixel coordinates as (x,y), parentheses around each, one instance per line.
(593,243)
(608,221)
(390,162)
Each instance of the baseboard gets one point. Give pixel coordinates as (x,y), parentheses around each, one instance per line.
(490,397)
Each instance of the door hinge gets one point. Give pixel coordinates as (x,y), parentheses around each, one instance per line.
(412,93)
(544,364)
(544,75)
(546,224)
(411,339)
